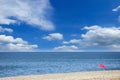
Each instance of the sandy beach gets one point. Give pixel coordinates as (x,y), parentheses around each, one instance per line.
(92,75)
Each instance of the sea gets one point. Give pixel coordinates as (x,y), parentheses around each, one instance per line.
(36,63)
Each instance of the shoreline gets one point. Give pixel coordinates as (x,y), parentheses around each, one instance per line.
(91,75)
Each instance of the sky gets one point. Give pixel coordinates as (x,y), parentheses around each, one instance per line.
(59,25)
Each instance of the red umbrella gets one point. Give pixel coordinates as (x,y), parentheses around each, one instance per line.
(102,66)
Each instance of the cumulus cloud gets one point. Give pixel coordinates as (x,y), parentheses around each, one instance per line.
(98,37)
(2,30)
(33,12)
(116,9)
(102,36)
(66,48)
(9,43)
(54,36)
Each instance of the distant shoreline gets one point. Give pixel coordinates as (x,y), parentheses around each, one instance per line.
(91,75)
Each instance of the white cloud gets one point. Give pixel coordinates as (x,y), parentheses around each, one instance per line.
(33,12)
(98,37)
(4,20)
(10,39)
(101,36)
(53,36)
(73,41)
(2,30)
(116,9)
(9,43)
(66,48)
(115,46)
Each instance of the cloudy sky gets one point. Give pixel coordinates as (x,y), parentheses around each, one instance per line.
(59,25)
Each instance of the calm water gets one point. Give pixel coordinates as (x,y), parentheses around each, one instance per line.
(15,64)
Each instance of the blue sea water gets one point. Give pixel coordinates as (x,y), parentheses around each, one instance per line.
(30,63)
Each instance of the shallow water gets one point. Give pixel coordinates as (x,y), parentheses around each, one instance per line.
(14,64)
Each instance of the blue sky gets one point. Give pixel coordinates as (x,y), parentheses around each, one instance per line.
(60,25)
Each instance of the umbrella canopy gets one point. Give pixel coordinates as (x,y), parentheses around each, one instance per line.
(102,66)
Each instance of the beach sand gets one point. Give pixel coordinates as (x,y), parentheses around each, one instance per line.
(92,75)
